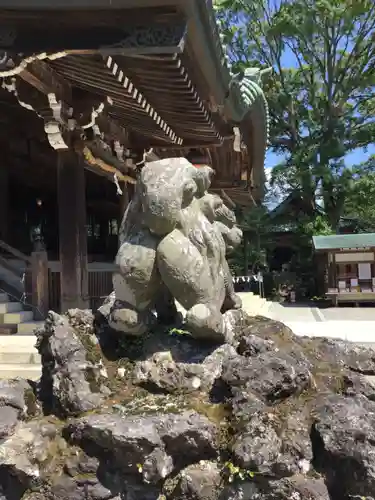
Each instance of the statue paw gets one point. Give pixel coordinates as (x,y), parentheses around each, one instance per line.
(206,323)
(130,321)
(231,302)
(237,301)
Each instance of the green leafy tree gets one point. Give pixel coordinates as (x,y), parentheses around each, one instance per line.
(250,256)
(360,201)
(322,105)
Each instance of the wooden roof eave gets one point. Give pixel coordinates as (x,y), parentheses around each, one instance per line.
(203,37)
(202,24)
(82,4)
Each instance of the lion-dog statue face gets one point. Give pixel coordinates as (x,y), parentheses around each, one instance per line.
(166,187)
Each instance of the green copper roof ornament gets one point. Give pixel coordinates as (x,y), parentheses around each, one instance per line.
(250,86)
(256,74)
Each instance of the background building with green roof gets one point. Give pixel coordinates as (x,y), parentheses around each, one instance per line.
(347,261)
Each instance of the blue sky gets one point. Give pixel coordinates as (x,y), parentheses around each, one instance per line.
(352,158)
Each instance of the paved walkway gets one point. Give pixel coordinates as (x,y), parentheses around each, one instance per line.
(292,312)
(352,324)
(349,314)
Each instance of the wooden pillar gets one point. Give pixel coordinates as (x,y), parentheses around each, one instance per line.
(334,272)
(246,257)
(39,277)
(4,200)
(124,200)
(72,231)
(331,278)
(321,277)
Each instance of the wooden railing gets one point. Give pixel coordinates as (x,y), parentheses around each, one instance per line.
(100,286)
(35,275)
(42,280)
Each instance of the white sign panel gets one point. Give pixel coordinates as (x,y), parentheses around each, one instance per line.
(354,257)
(364,271)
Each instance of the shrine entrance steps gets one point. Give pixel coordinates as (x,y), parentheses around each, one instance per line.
(254,304)
(18,356)
(14,319)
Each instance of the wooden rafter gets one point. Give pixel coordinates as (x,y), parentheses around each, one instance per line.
(40,76)
(61,95)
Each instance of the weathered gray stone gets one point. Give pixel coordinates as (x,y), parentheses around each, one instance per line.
(158,465)
(191,432)
(244,404)
(137,491)
(129,441)
(343,354)
(14,393)
(82,320)
(297,488)
(294,417)
(173,245)
(201,481)
(65,488)
(268,329)
(354,383)
(133,442)
(136,284)
(251,345)
(83,488)
(274,446)
(343,439)
(175,367)
(107,305)
(81,464)
(70,382)
(23,454)
(8,420)
(270,376)
(161,372)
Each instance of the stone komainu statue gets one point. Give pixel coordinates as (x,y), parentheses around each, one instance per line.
(173,242)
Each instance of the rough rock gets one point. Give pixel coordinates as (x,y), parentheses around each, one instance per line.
(297,488)
(8,420)
(23,455)
(80,489)
(343,438)
(15,393)
(202,481)
(81,320)
(275,417)
(148,445)
(275,445)
(347,355)
(70,382)
(174,364)
(252,345)
(271,376)
(354,383)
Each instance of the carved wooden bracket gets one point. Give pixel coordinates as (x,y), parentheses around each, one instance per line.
(54,113)
(92,116)
(65,109)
